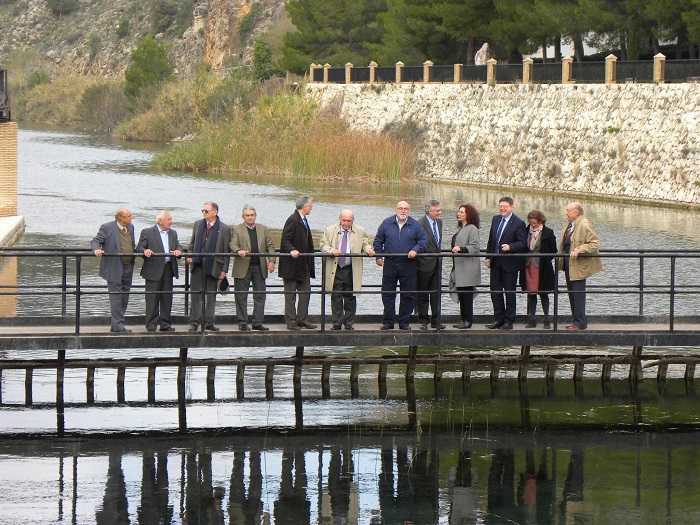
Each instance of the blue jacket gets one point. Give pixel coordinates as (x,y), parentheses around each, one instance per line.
(390,239)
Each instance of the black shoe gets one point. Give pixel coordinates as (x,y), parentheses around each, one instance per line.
(293,326)
(424,327)
(404,327)
(463,326)
(167,329)
(507,326)
(306,324)
(494,326)
(243,327)
(211,328)
(438,326)
(337,326)
(194,327)
(349,326)
(121,330)
(387,327)
(260,327)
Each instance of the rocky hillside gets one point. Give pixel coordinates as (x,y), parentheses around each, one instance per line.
(98,36)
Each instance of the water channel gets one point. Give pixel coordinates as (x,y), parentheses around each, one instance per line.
(488,454)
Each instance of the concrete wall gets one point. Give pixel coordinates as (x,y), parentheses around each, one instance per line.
(631,141)
(8,169)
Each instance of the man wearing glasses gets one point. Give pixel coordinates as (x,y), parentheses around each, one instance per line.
(209,235)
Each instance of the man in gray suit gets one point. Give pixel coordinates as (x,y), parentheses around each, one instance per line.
(113,237)
(159,270)
(209,235)
(251,237)
(430,268)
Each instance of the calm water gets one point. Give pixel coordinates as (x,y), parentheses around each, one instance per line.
(508,457)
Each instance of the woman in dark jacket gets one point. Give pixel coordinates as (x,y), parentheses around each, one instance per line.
(539,277)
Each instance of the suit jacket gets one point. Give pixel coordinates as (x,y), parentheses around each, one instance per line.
(359,243)
(467,270)
(240,240)
(585,238)
(428,264)
(513,234)
(223,236)
(107,239)
(153,267)
(295,236)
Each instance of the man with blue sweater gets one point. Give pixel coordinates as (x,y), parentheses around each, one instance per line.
(399,233)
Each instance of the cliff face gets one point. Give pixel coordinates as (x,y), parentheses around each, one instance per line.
(635,141)
(92,39)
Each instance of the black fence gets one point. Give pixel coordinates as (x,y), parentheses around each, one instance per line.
(551,72)
(4,97)
(640,289)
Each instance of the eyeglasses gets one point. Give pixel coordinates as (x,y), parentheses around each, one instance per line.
(206,211)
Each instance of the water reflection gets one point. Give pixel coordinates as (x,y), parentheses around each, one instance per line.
(504,477)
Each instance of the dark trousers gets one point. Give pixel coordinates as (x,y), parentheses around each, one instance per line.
(465,294)
(577,299)
(119,297)
(211,286)
(241,286)
(299,313)
(405,275)
(159,299)
(343,302)
(503,283)
(429,282)
(532,305)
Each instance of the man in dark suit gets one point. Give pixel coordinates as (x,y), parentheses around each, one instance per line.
(158,271)
(430,268)
(297,271)
(507,236)
(209,235)
(113,237)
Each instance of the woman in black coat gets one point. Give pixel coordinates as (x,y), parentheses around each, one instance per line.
(538,274)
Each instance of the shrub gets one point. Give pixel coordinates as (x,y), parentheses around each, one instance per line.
(149,66)
(93,46)
(123,28)
(102,107)
(173,16)
(36,78)
(262,61)
(248,21)
(62,7)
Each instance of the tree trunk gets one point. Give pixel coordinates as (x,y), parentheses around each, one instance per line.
(470,51)
(557,48)
(544,51)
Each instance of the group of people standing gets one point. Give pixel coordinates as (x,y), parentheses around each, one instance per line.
(409,251)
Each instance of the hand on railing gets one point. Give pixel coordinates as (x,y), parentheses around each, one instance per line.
(99,252)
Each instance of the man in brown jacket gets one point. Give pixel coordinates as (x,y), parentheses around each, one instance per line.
(578,239)
(246,238)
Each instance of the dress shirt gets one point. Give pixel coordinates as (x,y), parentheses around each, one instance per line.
(401,224)
(166,241)
(505,221)
(434,228)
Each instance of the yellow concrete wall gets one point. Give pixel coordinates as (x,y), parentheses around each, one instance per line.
(8,169)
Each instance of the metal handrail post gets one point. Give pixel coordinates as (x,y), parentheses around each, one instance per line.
(64,285)
(673,293)
(78,260)
(641,283)
(203,292)
(323,293)
(187,289)
(555,324)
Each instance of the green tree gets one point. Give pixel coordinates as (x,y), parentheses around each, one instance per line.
(148,67)
(262,61)
(333,31)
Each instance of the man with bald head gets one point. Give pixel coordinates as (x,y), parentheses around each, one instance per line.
(344,274)
(115,237)
(399,234)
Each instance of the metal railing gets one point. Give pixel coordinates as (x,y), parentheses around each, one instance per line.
(78,290)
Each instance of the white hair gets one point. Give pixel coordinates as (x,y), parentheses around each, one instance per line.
(163,214)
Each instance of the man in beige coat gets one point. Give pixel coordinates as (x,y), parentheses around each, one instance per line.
(580,241)
(344,274)
(246,238)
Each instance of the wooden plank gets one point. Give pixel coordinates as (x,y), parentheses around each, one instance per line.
(606,372)
(28,386)
(151,384)
(354,380)
(493,376)
(524,358)
(121,375)
(661,372)
(90,385)
(325,380)
(211,378)
(689,375)
(240,381)
(578,372)
(381,380)
(269,383)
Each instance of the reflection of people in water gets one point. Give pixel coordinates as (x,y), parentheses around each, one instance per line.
(501,491)
(115,507)
(527,487)
(572,501)
(154,506)
(244,509)
(463,504)
(340,472)
(417,486)
(200,506)
(546,488)
(293,507)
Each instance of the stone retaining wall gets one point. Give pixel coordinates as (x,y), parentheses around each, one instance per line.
(631,141)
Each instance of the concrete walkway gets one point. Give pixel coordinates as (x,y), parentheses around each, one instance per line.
(11,229)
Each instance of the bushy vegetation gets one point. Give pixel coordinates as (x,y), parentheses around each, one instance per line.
(123,28)
(171,16)
(247,23)
(62,7)
(148,68)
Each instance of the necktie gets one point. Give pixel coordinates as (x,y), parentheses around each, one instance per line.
(306,223)
(435,234)
(343,261)
(499,232)
(569,230)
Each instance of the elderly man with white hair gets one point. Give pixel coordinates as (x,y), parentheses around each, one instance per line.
(161,248)
(344,274)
